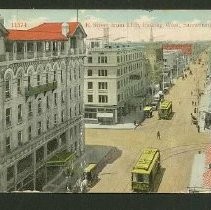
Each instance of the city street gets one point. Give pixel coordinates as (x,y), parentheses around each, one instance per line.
(179,141)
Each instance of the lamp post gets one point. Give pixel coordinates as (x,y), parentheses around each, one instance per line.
(177,69)
(163,79)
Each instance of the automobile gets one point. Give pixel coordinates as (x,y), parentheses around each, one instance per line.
(155,105)
(166,90)
(148,111)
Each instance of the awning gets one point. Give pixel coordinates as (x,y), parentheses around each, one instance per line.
(103,114)
(61,158)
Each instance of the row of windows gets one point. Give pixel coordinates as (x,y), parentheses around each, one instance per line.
(101,59)
(124,82)
(101,72)
(129,57)
(129,68)
(120,72)
(128,93)
(39,111)
(101,98)
(74,131)
(77,93)
(20,81)
(101,85)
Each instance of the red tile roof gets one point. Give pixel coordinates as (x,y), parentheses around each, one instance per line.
(25,35)
(185,48)
(45,31)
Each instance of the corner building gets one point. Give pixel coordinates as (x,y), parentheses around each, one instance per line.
(41,101)
(115,81)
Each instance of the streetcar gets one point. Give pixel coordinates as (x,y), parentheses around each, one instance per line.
(146,170)
(147,111)
(165,110)
(90,173)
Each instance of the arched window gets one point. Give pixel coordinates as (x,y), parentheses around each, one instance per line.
(54,75)
(38,79)
(19,83)
(61,76)
(46,78)
(8,86)
(39,107)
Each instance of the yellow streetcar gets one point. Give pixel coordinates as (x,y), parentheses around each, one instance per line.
(165,110)
(145,171)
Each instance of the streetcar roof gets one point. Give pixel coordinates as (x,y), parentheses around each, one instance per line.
(90,167)
(165,104)
(147,108)
(146,161)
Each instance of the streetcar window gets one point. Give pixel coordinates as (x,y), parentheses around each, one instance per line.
(142,178)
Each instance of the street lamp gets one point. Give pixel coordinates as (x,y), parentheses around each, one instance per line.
(163,79)
(177,69)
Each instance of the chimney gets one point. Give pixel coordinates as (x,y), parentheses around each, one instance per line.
(65,29)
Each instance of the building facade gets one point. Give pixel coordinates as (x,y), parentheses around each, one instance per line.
(41,101)
(154,56)
(114,78)
(174,65)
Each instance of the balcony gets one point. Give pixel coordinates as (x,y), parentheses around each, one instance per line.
(20,56)
(30,55)
(37,142)
(2,58)
(40,89)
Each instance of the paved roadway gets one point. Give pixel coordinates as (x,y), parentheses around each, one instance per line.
(178,144)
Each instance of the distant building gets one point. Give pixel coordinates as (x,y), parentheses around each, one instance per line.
(174,64)
(114,83)
(41,102)
(154,56)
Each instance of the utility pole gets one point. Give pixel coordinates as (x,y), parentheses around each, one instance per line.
(163,79)
(177,68)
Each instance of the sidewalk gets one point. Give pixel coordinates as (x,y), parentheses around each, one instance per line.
(127,122)
(125,126)
(205,106)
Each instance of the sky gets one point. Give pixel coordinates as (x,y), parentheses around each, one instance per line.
(124,25)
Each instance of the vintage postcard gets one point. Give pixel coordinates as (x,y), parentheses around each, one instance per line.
(105,101)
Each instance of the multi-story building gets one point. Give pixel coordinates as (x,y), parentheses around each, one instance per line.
(174,64)
(41,102)
(154,56)
(113,77)
(186,49)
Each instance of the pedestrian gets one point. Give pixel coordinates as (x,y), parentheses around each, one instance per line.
(158,135)
(192,102)
(204,126)
(198,128)
(191,92)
